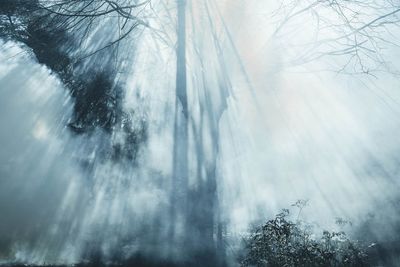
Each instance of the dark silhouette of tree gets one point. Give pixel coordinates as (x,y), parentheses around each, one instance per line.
(80,18)
(55,31)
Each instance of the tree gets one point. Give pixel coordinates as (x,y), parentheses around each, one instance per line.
(355,32)
(56,32)
(80,18)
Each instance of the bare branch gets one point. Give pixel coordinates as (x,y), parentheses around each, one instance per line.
(357,33)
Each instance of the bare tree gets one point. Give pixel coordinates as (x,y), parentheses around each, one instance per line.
(357,32)
(80,18)
(83,17)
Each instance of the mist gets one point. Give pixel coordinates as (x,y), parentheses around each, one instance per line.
(189,166)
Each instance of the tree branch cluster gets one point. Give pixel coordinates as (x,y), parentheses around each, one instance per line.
(81,18)
(358,32)
(85,16)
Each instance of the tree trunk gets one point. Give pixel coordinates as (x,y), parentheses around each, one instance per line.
(179,189)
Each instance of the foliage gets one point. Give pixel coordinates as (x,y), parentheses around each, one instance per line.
(95,88)
(282,242)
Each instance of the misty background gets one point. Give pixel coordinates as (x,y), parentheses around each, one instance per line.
(286,132)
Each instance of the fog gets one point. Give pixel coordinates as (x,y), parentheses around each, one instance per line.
(268,132)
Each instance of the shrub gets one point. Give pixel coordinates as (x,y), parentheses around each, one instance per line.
(282,242)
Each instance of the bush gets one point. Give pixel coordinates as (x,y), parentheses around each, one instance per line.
(282,242)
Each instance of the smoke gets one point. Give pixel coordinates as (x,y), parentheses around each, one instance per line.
(306,133)
(282,135)
(35,172)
